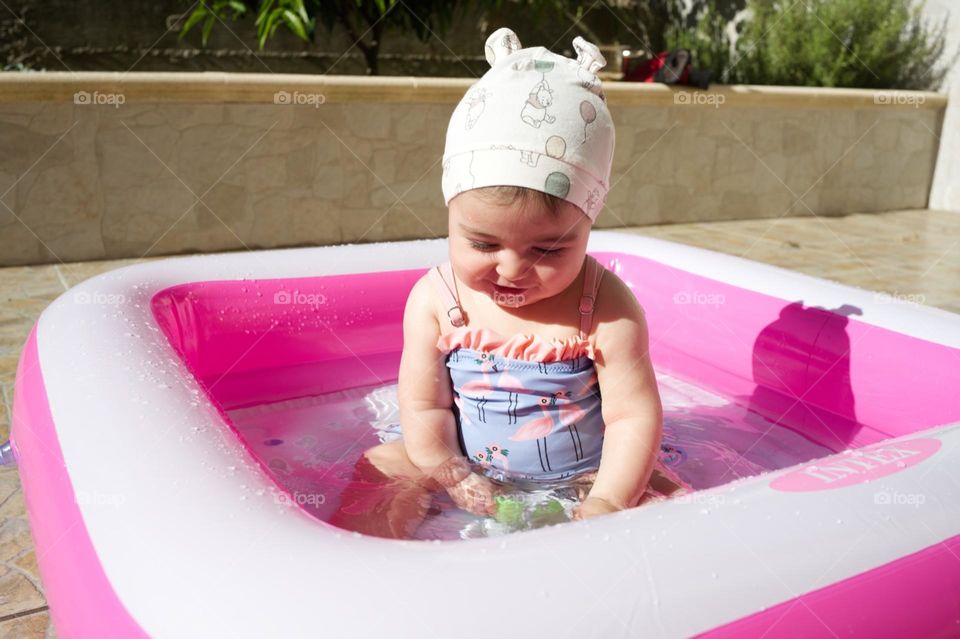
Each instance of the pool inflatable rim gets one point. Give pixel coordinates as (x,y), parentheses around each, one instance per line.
(125,564)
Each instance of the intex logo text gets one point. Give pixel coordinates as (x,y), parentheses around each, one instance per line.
(857,466)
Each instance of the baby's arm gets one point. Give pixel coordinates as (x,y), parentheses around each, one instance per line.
(631,406)
(426,399)
(424,388)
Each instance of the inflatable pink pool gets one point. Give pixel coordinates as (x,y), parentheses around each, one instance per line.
(184,428)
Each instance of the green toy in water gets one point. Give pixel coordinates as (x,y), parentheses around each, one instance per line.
(509,510)
(518,510)
(514,512)
(551,512)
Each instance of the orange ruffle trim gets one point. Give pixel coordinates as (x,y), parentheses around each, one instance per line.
(531,348)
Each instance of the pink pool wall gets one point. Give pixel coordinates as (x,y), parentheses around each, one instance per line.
(838,381)
(82,601)
(915,596)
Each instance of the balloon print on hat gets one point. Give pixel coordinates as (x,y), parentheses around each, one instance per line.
(556,147)
(543,66)
(589,113)
(557,183)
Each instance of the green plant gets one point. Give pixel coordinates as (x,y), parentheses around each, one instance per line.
(364,20)
(707,39)
(649,23)
(880,44)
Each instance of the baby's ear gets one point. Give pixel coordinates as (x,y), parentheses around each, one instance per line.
(500,44)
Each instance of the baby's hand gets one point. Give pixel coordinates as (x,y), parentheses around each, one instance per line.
(593,506)
(476,494)
(468,490)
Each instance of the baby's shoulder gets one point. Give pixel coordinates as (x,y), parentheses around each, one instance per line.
(620,326)
(423,302)
(616,305)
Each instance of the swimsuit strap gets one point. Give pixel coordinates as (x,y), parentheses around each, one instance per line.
(591,284)
(439,276)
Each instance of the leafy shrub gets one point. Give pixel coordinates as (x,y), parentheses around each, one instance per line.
(879,44)
(708,39)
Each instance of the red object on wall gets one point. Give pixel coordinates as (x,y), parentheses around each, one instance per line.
(638,69)
(669,67)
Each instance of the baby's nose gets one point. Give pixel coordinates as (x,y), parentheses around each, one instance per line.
(513,268)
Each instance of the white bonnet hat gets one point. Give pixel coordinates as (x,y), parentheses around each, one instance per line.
(537,120)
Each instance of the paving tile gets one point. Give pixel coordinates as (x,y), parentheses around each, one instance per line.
(20,587)
(17,592)
(909,253)
(76,272)
(30,282)
(36,625)
(24,292)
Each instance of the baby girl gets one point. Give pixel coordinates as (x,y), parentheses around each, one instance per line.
(509,346)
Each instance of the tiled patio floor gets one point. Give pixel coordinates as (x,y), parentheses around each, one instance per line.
(914,254)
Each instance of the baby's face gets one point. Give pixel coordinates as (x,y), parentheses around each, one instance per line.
(532,252)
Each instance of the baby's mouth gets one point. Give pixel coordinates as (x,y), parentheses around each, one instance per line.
(509,289)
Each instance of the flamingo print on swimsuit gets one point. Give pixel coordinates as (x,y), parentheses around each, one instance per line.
(494,406)
(494,453)
(571,414)
(480,389)
(506,382)
(568,413)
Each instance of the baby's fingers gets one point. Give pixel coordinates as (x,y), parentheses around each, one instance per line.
(480,502)
(478,506)
(486,494)
(474,496)
(460,498)
(485,505)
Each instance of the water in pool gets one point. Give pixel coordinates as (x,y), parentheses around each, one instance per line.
(312,444)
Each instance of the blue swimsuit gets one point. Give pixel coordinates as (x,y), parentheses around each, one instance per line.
(533,417)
